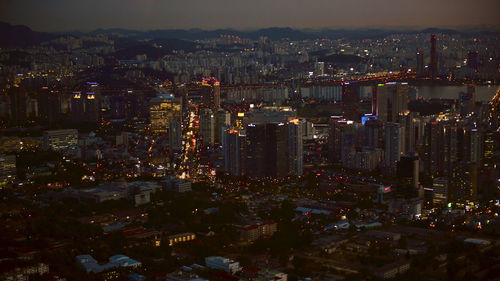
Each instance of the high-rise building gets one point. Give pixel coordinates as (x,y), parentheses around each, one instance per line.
(408,169)
(440,191)
(390,100)
(174,134)
(295,146)
(18,99)
(63,141)
(92,107)
(274,149)
(420,64)
(432,147)
(464,179)
(162,109)
(319,68)
(473,60)
(49,105)
(476,143)
(85,107)
(222,119)
(394,145)
(433,71)
(234,148)
(210,93)
(207,126)
(380,102)
(350,101)
(374,134)
(342,137)
(406,120)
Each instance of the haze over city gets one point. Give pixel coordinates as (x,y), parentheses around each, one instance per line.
(54,15)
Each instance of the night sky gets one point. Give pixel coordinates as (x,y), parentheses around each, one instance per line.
(63,15)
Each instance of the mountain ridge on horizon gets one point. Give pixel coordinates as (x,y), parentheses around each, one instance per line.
(23,36)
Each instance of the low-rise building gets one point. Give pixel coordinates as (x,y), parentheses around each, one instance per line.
(222,263)
(182,237)
(256,231)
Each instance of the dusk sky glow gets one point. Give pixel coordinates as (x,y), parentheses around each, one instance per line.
(52,15)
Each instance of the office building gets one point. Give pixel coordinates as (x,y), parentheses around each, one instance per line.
(319,68)
(463,181)
(350,101)
(210,91)
(207,126)
(408,170)
(222,119)
(174,134)
(274,149)
(234,151)
(440,191)
(49,105)
(63,141)
(394,145)
(162,109)
(343,136)
(374,134)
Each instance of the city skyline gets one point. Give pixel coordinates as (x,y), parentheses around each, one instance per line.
(53,16)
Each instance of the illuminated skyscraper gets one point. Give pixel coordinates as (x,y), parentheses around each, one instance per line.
(85,107)
(440,191)
(162,109)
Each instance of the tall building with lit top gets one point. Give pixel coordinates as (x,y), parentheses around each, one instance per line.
(390,100)
(274,149)
(420,64)
(162,109)
(234,149)
(85,107)
(210,88)
(350,101)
